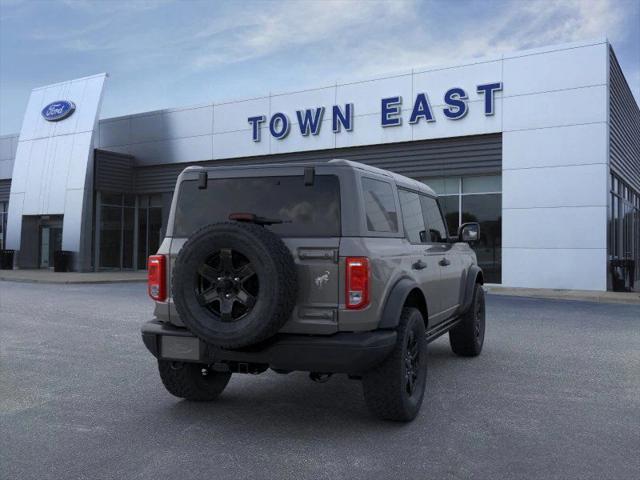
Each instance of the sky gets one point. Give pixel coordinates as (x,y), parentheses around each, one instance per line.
(171,53)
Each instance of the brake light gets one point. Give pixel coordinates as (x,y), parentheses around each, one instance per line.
(156,277)
(357,284)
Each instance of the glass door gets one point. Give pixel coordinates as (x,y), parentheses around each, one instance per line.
(44,247)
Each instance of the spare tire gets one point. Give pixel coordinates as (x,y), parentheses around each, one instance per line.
(234,284)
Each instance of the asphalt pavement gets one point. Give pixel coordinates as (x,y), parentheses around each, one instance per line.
(554,395)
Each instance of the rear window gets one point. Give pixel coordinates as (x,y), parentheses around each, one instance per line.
(307,210)
(380,206)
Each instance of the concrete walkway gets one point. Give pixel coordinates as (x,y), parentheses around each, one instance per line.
(583,295)
(49,276)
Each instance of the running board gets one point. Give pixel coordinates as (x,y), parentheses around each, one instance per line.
(442,328)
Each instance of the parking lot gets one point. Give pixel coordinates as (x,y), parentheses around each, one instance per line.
(555,394)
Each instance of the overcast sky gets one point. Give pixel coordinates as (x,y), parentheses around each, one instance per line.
(164,53)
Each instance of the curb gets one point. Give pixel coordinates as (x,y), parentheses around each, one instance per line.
(631,299)
(70,282)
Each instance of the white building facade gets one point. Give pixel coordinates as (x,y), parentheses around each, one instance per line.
(541,147)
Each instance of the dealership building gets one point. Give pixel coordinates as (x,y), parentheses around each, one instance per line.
(542,147)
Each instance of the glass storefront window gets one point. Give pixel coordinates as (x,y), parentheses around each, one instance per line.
(487,210)
(451,209)
(444,186)
(489,184)
(110,236)
(4,208)
(118,245)
(624,237)
(149,227)
(128,219)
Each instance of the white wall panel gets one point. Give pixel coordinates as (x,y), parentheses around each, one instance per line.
(366,96)
(291,102)
(562,69)
(77,160)
(37,162)
(560,227)
(231,117)
(584,185)
(147,128)
(92,95)
(295,142)
(115,132)
(436,82)
(72,221)
(14,219)
(551,109)
(32,115)
(544,147)
(367,131)
(177,150)
(580,269)
(60,171)
(232,144)
(190,122)
(475,122)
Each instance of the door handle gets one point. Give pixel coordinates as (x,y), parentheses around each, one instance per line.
(419,265)
(444,262)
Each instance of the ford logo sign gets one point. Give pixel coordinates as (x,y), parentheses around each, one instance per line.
(56,111)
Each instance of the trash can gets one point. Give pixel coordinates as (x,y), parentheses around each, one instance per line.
(6,259)
(62,261)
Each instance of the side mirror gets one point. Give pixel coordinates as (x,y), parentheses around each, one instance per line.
(469,232)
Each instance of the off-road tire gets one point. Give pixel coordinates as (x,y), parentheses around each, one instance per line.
(275,270)
(385,386)
(185,380)
(467,337)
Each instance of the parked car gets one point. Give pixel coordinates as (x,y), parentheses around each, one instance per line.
(332,267)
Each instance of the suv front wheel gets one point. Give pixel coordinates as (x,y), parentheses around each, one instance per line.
(192,381)
(394,389)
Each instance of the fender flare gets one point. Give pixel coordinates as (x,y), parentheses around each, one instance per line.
(474,275)
(395,301)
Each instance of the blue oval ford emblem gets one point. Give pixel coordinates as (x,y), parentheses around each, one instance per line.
(59,110)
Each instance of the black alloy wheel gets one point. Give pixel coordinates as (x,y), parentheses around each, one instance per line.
(227,285)
(412,362)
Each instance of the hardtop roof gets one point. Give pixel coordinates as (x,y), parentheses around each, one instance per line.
(400,180)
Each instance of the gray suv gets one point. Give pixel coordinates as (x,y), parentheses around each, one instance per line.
(328,267)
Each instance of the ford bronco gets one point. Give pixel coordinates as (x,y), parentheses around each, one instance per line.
(328,267)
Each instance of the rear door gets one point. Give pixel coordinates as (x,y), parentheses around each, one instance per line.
(440,249)
(423,264)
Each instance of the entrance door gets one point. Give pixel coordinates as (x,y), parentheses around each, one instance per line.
(45,260)
(50,242)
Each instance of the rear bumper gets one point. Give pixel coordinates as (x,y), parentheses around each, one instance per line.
(345,352)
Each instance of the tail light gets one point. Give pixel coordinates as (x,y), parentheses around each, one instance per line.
(156,277)
(357,284)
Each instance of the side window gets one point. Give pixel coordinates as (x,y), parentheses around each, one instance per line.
(433,219)
(380,206)
(412,217)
